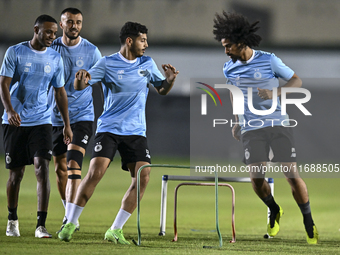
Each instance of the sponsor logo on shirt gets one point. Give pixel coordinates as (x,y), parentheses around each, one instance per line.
(80,62)
(143,73)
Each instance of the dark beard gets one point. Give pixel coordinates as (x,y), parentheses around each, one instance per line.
(234,60)
(72,37)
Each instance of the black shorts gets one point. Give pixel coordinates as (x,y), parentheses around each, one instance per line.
(132,148)
(257,144)
(82,132)
(23,144)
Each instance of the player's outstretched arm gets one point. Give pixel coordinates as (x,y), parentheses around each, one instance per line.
(170,74)
(81,79)
(61,100)
(13,117)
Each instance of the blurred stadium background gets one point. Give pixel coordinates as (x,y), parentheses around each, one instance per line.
(304,34)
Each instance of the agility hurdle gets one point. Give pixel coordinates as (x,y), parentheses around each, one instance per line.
(164,192)
(206,184)
(175,166)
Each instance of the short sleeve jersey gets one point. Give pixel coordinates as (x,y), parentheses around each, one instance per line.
(32,73)
(263,71)
(125,85)
(80,102)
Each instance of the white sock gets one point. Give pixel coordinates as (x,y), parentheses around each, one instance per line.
(120,219)
(64,203)
(73,212)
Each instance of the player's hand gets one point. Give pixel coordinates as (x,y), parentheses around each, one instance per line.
(265,93)
(83,75)
(235,131)
(14,118)
(170,73)
(68,135)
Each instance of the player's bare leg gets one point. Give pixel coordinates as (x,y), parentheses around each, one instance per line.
(87,186)
(262,189)
(13,187)
(60,168)
(129,202)
(300,194)
(73,184)
(41,166)
(298,186)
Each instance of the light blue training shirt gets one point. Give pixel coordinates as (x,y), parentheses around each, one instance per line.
(263,71)
(80,102)
(125,85)
(32,73)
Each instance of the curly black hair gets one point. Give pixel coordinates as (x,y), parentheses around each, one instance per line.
(131,29)
(236,28)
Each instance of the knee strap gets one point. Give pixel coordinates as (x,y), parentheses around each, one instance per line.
(75,155)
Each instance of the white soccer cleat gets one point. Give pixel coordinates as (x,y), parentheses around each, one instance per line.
(12,228)
(41,232)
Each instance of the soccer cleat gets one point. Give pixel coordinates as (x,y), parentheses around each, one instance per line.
(77,226)
(273,230)
(12,228)
(62,226)
(41,232)
(315,238)
(115,236)
(67,232)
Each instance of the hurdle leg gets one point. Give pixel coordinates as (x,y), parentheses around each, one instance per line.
(206,184)
(163,205)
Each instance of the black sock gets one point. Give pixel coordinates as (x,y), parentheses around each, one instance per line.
(12,213)
(307,218)
(41,218)
(273,207)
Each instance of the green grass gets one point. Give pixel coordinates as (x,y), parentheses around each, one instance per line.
(196,211)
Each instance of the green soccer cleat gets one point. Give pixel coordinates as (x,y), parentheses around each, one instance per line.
(315,238)
(115,236)
(272,231)
(66,233)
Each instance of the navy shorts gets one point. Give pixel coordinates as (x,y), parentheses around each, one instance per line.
(82,132)
(132,148)
(23,144)
(257,144)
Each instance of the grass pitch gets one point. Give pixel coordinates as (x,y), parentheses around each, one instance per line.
(196,217)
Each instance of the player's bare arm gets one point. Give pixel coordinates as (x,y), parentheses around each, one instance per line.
(235,131)
(81,79)
(13,117)
(61,100)
(170,74)
(294,82)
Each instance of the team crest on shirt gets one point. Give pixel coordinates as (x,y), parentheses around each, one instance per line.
(143,73)
(257,74)
(47,68)
(80,62)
